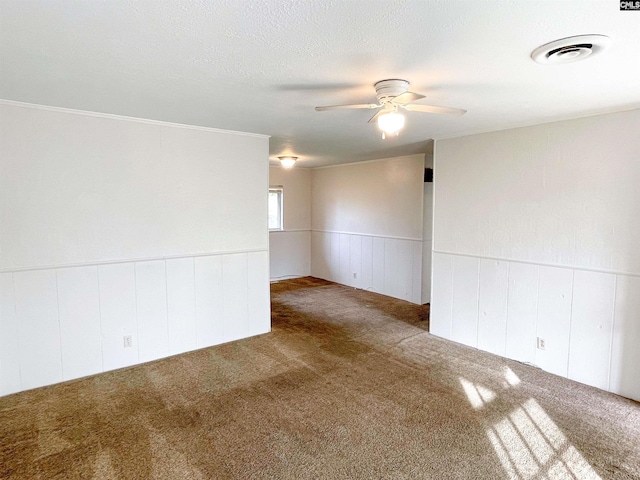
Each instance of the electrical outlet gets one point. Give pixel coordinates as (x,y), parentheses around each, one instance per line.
(127,341)
(542,343)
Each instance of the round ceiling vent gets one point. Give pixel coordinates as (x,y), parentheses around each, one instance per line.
(570,49)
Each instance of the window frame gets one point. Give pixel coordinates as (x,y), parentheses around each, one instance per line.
(280,191)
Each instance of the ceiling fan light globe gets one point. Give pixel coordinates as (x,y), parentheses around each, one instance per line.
(391,123)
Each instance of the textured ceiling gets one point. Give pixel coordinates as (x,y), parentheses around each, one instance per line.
(261,66)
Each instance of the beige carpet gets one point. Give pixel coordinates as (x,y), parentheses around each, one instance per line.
(348,385)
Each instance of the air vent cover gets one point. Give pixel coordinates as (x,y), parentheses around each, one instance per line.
(570,49)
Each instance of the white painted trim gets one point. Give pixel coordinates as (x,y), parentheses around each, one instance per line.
(605,111)
(291,230)
(366,161)
(541,264)
(130,260)
(284,277)
(128,119)
(369,235)
(274,162)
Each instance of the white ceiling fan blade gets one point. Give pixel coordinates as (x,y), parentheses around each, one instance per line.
(435,109)
(406,97)
(375,117)
(347,107)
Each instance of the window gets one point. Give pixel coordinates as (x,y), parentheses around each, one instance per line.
(275,208)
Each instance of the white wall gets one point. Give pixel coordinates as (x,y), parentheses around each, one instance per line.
(290,249)
(367,225)
(536,235)
(427,236)
(111,227)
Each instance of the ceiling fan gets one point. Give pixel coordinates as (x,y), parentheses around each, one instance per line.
(393,94)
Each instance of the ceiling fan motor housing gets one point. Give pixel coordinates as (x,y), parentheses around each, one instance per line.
(386,90)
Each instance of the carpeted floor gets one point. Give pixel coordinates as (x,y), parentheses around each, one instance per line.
(349,385)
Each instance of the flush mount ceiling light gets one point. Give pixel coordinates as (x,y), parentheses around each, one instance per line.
(570,49)
(288,161)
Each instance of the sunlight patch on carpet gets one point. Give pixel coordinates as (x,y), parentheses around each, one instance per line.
(510,376)
(530,445)
(478,395)
(103,468)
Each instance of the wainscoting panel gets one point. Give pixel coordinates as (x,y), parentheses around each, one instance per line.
(589,320)
(440,313)
(151,310)
(258,304)
(289,254)
(522,310)
(181,305)
(209,300)
(9,348)
(390,266)
(416,266)
(377,262)
(79,312)
(404,251)
(355,260)
(118,315)
(334,264)
(555,291)
(366,256)
(591,328)
(344,269)
(625,352)
(464,316)
(392,271)
(63,323)
(492,317)
(321,251)
(36,298)
(235,295)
